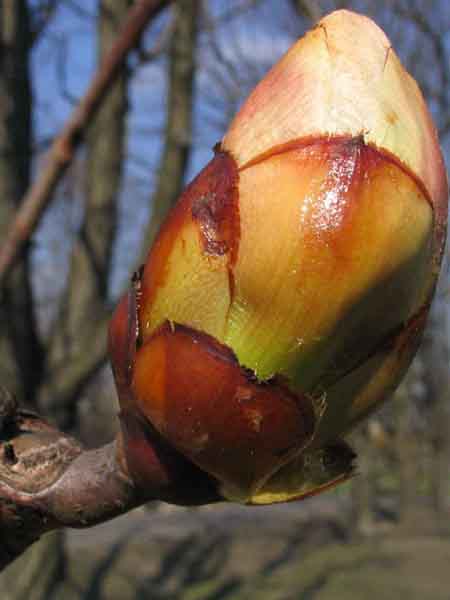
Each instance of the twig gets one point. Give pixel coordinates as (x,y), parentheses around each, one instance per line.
(231,13)
(309,8)
(49,481)
(64,146)
(45,13)
(178,131)
(161,44)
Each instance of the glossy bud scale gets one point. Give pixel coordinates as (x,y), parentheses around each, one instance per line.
(287,291)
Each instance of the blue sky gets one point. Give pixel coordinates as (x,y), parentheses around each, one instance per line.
(64,61)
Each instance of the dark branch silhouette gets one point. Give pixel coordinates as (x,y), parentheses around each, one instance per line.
(178,133)
(62,150)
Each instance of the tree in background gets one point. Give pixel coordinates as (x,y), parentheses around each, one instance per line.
(52,372)
(421,423)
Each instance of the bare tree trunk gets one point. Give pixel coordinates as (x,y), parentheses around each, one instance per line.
(308,8)
(408,457)
(416,515)
(84,302)
(41,571)
(65,379)
(435,354)
(20,351)
(38,573)
(84,315)
(63,148)
(178,133)
(362,486)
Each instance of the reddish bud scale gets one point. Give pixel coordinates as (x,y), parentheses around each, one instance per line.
(215,412)
(306,252)
(123,334)
(156,467)
(211,203)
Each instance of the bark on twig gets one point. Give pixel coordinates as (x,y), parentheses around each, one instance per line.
(49,481)
(64,146)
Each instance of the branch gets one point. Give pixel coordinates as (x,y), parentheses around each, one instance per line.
(49,481)
(309,9)
(178,134)
(78,348)
(230,14)
(445,128)
(43,15)
(64,146)
(437,40)
(21,352)
(61,69)
(161,44)
(84,299)
(79,10)
(68,378)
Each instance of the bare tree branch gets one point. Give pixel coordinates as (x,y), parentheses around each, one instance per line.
(309,9)
(68,378)
(230,14)
(436,36)
(86,301)
(42,16)
(85,296)
(79,10)
(20,348)
(161,44)
(179,116)
(64,146)
(435,355)
(229,81)
(61,69)
(445,128)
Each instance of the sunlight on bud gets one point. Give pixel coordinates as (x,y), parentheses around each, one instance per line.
(286,293)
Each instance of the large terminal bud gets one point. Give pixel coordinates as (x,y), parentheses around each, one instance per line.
(287,291)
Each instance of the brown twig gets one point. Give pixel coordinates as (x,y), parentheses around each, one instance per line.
(64,146)
(49,481)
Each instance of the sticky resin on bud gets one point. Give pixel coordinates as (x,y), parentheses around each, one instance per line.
(287,291)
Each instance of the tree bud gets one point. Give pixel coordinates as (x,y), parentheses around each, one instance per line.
(287,291)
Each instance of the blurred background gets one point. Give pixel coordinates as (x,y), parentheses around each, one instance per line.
(385,532)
